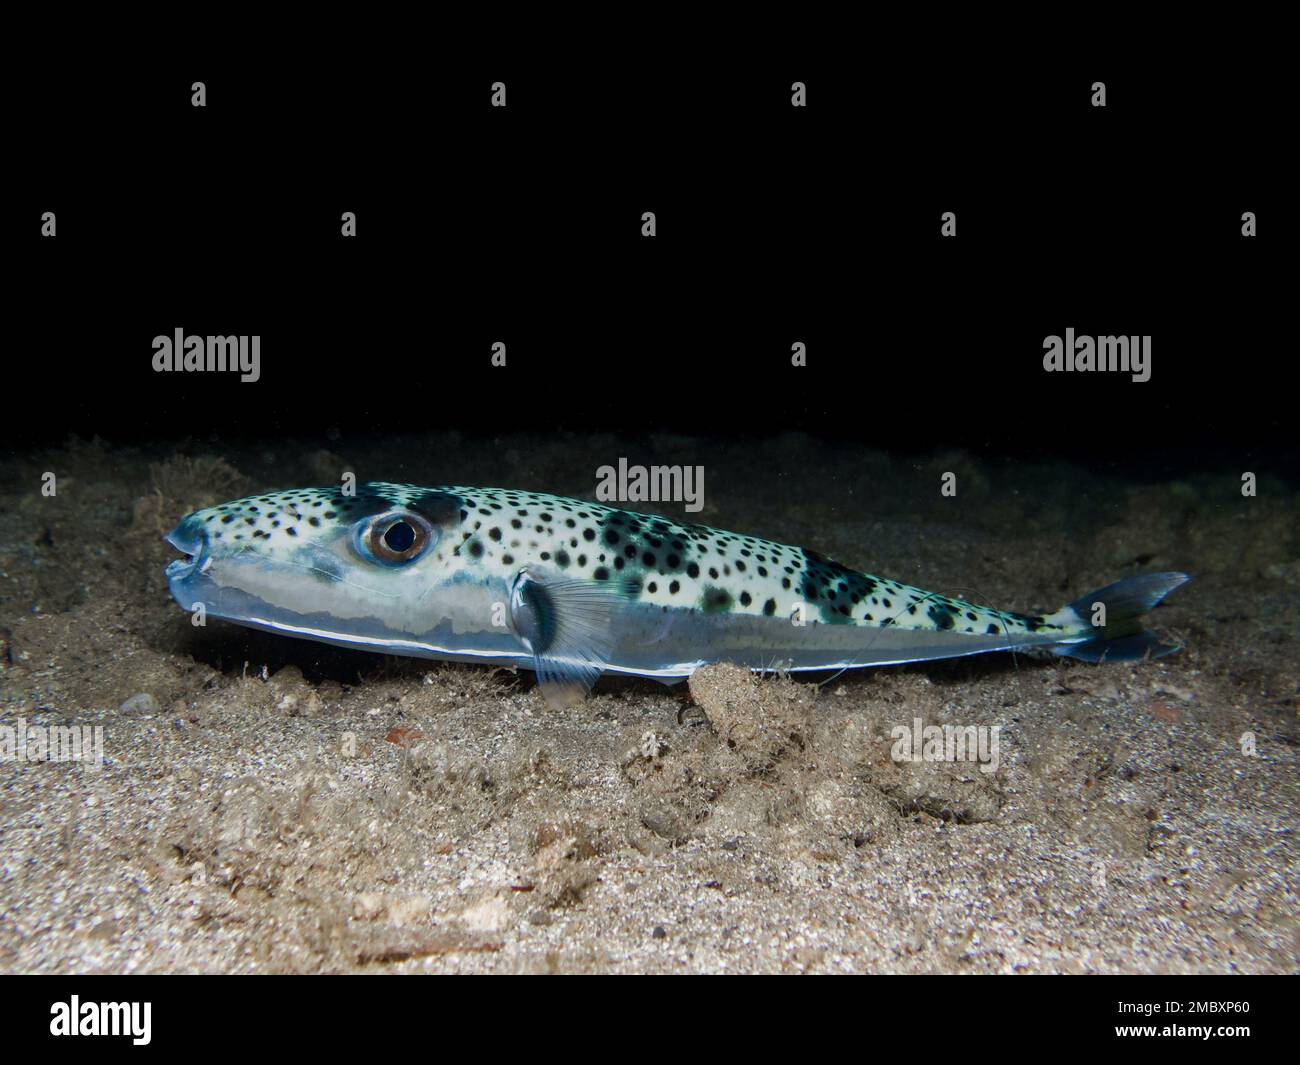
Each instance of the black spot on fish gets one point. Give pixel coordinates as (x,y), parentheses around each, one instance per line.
(1033,624)
(769,608)
(716,600)
(368,504)
(940,615)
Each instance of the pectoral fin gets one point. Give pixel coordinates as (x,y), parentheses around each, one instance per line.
(568,625)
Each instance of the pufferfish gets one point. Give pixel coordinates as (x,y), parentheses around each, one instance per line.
(571,590)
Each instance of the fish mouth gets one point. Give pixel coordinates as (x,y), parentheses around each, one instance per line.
(194,546)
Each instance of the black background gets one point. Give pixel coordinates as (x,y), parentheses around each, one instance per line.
(346,1015)
(775,225)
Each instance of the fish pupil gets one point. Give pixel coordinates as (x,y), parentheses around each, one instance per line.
(399,537)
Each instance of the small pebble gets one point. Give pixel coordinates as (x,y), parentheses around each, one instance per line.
(143,703)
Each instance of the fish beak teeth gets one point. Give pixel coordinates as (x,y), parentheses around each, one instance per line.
(193,547)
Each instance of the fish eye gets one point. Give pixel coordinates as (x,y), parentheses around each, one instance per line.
(399,537)
(395,539)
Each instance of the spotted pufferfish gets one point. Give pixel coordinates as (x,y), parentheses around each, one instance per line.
(572,589)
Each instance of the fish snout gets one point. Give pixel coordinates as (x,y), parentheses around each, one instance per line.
(193,544)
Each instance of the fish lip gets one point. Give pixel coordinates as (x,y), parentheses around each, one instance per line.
(193,547)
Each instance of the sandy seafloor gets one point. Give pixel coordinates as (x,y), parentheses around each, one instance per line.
(272,805)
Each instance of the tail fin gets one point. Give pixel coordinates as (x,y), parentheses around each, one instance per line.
(1122,638)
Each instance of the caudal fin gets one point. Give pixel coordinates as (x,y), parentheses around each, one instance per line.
(1121,637)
